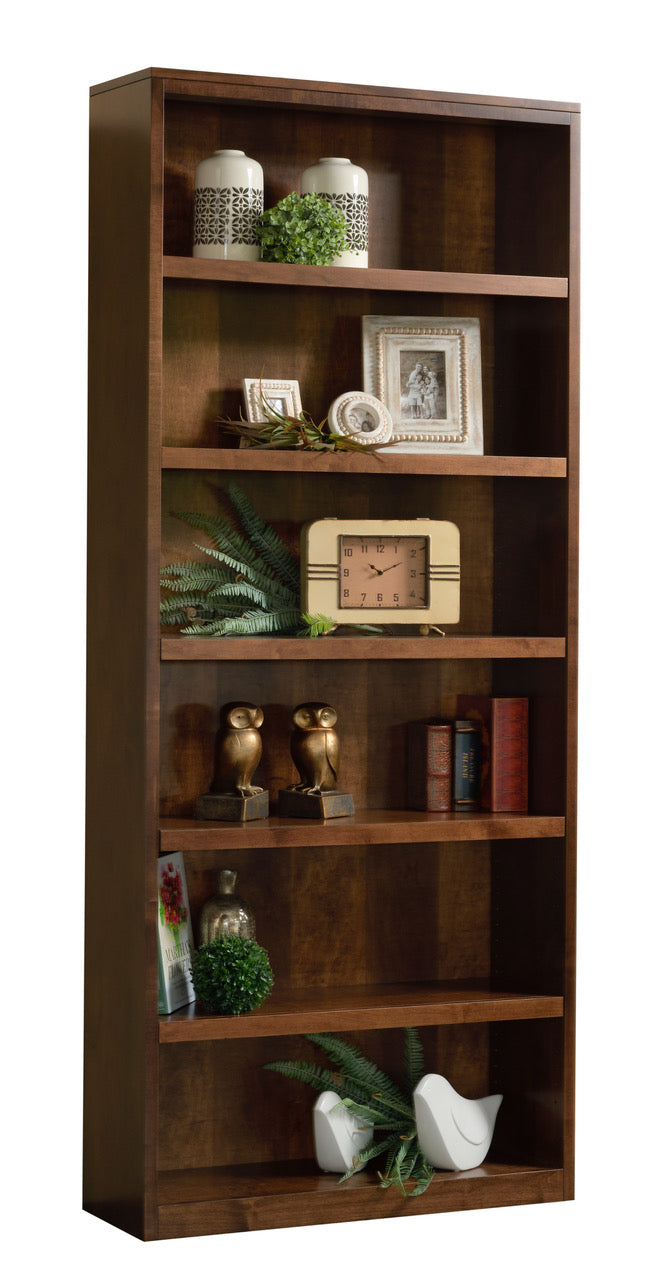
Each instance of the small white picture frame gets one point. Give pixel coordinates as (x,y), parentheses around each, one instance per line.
(281,395)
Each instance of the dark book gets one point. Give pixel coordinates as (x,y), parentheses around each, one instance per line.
(467,761)
(504,728)
(430,765)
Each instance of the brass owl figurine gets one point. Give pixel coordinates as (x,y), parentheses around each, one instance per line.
(238,749)
(314,746)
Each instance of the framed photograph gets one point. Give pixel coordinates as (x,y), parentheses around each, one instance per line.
(427,371)
(280,394)
(361,416)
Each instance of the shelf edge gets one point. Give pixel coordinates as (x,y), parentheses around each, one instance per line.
(385,279)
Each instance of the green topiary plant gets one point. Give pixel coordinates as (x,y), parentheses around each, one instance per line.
(303,229)
(375,1098)
(231,974)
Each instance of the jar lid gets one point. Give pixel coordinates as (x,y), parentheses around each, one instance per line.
(334,160)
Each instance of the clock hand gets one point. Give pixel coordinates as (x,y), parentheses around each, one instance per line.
(379,572)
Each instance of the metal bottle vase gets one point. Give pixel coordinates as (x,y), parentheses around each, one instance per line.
(346,186)
(228,207)
(226,913)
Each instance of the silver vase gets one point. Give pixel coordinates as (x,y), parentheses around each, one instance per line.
(225,912)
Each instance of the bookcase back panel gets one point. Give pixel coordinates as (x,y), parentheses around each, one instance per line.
(216,335)
(443,195)
(528,896)
(374,701)
(361,916)
(527,1067)
(513,586)
(219,1106)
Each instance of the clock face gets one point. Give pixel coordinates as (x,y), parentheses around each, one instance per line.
(383,572)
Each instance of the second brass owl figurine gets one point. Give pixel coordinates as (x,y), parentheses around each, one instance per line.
(238,749)
(315,748)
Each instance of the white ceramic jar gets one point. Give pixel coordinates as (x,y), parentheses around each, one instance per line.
(228,206)
(346,185)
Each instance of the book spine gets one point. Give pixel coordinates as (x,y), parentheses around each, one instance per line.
(508,771)
(430,767)
(467,761)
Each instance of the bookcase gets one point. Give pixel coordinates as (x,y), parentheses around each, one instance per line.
(461,924)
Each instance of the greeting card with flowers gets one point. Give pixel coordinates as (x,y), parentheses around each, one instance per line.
(175,943)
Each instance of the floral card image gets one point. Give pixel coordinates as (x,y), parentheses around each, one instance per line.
(175,943)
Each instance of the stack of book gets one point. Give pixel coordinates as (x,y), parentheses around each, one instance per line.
(477,760)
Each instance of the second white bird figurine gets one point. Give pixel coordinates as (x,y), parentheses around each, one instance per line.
(453,1132)
(339,1135)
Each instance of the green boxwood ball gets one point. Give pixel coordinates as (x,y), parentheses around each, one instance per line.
(231,974)
(303,229)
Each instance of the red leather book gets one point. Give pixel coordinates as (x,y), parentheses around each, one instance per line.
(430,765)
(504,721)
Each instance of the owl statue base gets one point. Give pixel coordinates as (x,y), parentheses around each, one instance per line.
(227,807)
(314,804)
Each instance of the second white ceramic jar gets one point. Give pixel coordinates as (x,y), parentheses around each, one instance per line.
(346,185)
(228,206)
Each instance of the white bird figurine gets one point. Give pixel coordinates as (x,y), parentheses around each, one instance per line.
(339,1135)
(453,1132)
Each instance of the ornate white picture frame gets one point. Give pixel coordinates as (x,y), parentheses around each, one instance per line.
(282,394)
(427,371)
(360,416)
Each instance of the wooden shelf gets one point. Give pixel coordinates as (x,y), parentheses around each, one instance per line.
(368,278)
(374,826)
(356,648)
(186,458)
(256,1197)
(316,1009)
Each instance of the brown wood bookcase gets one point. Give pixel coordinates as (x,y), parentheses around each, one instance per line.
(462,925)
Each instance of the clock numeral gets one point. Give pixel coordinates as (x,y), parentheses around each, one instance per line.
(345,592)
(346,573)
(348,551)
(364,596)
(380,548)
(379,596)
(396,597)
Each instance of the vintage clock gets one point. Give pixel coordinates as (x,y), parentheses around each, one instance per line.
(382,571)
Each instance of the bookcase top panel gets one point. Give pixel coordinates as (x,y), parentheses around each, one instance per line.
(179,80)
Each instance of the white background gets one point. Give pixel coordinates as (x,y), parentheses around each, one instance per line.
(568,51)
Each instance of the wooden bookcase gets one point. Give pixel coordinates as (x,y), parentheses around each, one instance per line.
(462,925)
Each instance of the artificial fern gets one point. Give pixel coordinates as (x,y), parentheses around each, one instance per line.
(372,1096)
(253,588)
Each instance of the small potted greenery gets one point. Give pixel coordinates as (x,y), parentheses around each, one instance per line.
(231,974)
(303,229)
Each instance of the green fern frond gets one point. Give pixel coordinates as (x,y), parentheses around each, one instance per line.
(245,593)
(358,1068)
(221,531)
(363,1157)
(413,1058)
(253,622)
(320,1078)
(317,624)
(255,573)
(271,548)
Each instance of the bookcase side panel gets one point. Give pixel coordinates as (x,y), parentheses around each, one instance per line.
(122,693)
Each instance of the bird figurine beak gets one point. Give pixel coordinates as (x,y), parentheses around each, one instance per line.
(453,1132)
